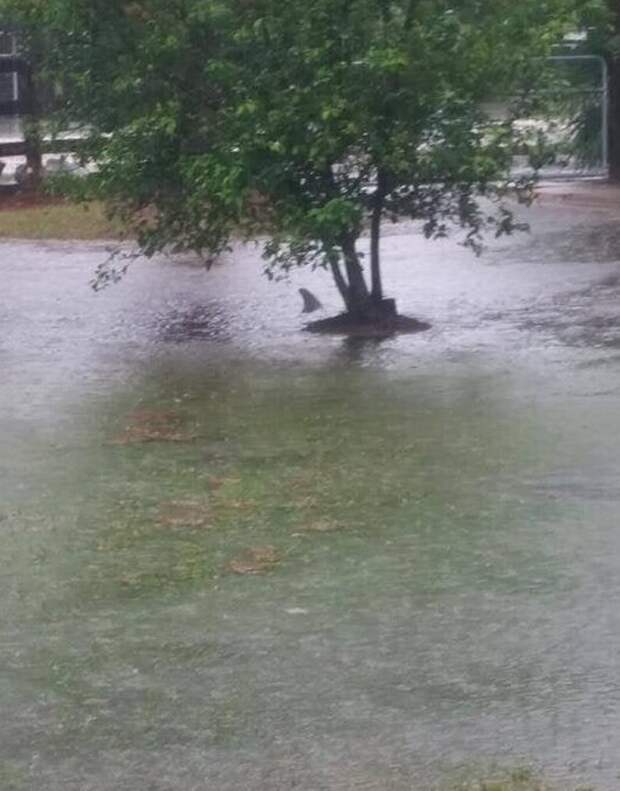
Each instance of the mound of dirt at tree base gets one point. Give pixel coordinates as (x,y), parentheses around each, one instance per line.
(344,324)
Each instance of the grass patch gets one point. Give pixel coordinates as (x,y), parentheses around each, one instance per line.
(523,779)
(59,221)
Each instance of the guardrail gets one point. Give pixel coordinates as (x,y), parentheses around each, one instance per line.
(19,148)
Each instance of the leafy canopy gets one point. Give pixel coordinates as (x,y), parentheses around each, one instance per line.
(298,119)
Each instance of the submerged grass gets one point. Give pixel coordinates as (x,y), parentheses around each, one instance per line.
(332,495)
(292,516)
(517,779)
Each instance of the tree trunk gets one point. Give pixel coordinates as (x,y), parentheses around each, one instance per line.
(358,301)
(32,132)
(341,283)
(375,238)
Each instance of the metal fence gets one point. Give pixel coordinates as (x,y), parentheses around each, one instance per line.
(569,130)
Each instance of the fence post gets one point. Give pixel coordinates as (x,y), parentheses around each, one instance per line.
(613,130)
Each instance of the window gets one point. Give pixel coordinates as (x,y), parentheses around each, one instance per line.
(8,87)
(8,44)
(9,81)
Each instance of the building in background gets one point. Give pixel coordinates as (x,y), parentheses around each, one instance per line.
(11,87)
(9,74)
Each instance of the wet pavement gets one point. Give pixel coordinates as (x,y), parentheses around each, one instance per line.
(235,555)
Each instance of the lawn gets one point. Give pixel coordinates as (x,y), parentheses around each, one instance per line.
(46,219)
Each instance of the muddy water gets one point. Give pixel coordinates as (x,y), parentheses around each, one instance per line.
(439,585)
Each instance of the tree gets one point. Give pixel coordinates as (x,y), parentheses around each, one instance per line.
(612,52)
(307,121)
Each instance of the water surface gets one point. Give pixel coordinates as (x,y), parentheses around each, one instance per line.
(443,509)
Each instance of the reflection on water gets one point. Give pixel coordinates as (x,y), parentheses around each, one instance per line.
(440,511)
(194,322)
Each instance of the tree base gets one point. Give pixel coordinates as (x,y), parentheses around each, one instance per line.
(367,327)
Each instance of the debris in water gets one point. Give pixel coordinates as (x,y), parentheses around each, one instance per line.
(154,417)
(153,425)
(216,483)
(257,560)
(308,502)
(184,513)
(240,505)
(320,526)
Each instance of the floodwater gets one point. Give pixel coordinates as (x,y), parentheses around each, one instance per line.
(434,522)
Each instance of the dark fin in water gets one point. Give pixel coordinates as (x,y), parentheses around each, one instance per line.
(311,303)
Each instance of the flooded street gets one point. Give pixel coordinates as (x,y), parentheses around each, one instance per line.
(239,556)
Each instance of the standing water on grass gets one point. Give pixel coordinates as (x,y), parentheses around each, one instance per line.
(237,556)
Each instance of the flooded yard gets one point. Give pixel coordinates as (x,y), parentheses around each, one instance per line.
(238,556)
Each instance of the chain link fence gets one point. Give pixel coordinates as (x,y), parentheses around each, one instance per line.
(566,135)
